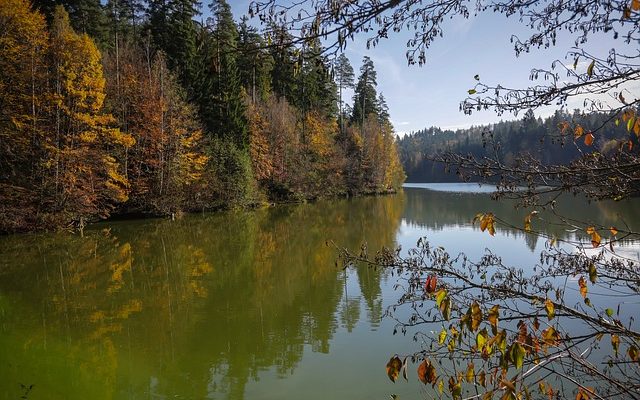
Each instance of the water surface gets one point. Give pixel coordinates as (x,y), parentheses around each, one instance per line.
(234,305)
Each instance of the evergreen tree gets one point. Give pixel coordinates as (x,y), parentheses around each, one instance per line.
(383,110)
(317,91)
(228,117)
(181,46)
(158,13)
(85,16)
(254,63)
(365,98)
(285,63)
(344,78)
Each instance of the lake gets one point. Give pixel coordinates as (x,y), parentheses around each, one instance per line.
(239,304)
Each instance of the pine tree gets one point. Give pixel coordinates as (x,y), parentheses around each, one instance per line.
(383,110)
(344,78)
(228,118)
(254,63)
(286,64)
(85,16)
(365,97)
(317,91)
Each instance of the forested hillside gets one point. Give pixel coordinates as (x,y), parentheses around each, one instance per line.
(133,106)
(549,140)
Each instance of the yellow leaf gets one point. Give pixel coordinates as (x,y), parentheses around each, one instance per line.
(615,343)
(635,5)
(517,355)
(481,338)
(476,316)
(550,308)
(527,221)
(442,336)
(445,308)
(493,315)
(550,336)
(440,295)
(613,230)
(471,374)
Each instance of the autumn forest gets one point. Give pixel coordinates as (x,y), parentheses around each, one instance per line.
(135,108)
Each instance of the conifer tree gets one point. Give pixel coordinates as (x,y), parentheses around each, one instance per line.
(317,91)
(228,118)
(285,63)
(365,100)
(85,16)
(344,78)
(254,63)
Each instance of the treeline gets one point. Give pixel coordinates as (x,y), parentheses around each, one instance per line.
(540,138)
(134,107)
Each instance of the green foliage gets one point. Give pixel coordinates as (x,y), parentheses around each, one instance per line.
(230,181)
(365,100)
(548,140)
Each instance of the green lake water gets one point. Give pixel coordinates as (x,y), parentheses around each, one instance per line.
(235,305)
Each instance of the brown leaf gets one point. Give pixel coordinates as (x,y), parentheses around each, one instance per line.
(430,284)
(595,239)
(427,373)
(393,368)
(588,140)
(583,287)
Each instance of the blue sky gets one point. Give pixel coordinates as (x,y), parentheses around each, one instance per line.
(430,95)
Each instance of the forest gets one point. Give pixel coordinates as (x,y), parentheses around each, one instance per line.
(133,107)
(548,140)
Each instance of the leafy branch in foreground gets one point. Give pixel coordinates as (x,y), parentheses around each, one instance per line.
(498,331)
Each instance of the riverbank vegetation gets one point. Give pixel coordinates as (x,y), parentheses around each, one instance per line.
(134,107)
